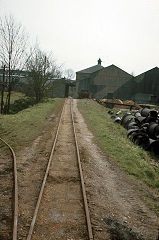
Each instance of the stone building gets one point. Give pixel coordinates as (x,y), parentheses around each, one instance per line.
(84,79)
(99,81)
(62,88)
(143,88)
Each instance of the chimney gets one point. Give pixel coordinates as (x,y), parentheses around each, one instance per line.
(99,61)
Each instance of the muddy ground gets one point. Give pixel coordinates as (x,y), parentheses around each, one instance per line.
(118,209)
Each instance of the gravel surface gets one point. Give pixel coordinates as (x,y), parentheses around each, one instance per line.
(116,207)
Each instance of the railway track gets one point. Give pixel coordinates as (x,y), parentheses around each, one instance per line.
(61,211)
(8,193)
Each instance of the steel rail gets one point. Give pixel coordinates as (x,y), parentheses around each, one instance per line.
(88,220)
(44,180)
(15,222)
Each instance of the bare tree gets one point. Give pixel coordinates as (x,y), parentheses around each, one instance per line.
(2,90)
(133,74)
(13,43)
(41,69)
(69,74)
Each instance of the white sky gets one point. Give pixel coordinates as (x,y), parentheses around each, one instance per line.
(78,32)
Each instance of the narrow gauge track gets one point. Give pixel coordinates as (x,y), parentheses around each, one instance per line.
(61,211)
(8,194)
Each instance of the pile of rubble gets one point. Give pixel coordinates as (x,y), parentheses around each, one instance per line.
(117,103)
(142,128)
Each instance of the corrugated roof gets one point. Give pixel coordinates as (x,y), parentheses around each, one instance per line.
(92,69)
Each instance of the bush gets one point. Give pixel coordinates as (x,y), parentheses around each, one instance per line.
(21,104)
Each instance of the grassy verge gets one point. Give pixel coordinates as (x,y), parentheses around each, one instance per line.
(112,138)
(21,128)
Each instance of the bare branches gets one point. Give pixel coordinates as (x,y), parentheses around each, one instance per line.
(13,43)
(41,66)
(41,69)
(69,74)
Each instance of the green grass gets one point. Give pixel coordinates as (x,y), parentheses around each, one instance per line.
(114,142)
(21,128)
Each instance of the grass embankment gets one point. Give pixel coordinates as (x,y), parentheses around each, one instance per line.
(21,128)
(114,142)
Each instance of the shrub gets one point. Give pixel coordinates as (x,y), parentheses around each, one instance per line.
(21,104)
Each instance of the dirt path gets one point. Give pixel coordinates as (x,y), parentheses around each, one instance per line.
(31,163)
(61,213)
(116,208)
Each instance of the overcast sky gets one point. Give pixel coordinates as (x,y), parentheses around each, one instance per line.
(78,32)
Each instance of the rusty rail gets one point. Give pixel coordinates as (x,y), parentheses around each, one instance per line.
(44,180)
(89,226)
(15,221)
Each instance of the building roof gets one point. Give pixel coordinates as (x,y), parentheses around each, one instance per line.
(114,66)
(140,77)
(152,69)
(92,69)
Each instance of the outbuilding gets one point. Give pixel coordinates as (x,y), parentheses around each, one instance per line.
(99,81)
